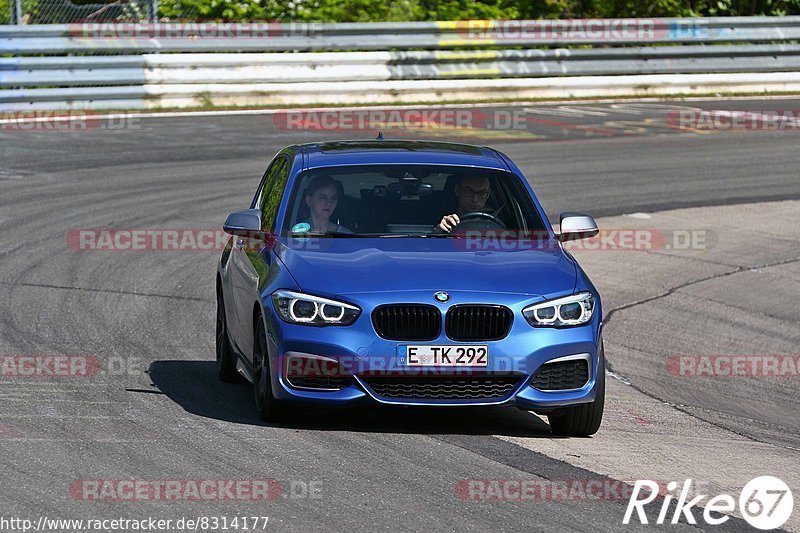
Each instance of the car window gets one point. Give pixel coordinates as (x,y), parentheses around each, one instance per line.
(272,193)
(385,200)
(267,181)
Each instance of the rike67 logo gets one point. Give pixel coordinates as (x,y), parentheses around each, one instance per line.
(765,502)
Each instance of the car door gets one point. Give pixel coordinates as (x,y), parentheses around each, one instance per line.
(250,262)
(237,271)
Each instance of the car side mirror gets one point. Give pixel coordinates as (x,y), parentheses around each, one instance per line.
(245,223)
(576,226)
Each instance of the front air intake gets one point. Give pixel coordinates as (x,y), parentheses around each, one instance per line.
(478,322)
(407,322)
(561,375)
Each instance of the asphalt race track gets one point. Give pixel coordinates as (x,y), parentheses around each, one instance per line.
(154,410)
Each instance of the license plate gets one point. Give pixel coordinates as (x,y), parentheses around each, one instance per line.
(443,355)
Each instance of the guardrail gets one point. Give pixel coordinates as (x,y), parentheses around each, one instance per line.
(111,66)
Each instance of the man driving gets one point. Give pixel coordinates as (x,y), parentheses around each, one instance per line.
(472,193)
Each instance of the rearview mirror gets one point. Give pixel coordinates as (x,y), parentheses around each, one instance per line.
(410,186)
(245,223)
(576,226)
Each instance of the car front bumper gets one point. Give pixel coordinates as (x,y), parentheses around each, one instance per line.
(361,355)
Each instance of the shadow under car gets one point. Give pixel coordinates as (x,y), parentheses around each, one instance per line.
(194,386)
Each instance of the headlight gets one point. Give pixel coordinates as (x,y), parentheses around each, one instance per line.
(568,311)
(299,308)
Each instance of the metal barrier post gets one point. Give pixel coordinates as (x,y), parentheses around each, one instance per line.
(153,11)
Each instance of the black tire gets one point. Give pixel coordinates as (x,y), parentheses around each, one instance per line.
(226,366)
(583,420)
(268,408)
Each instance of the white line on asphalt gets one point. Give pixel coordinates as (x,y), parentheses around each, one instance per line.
(237,112)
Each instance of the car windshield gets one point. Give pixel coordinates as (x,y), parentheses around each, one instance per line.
(409,200)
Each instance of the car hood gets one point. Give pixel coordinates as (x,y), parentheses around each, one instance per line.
(359,265)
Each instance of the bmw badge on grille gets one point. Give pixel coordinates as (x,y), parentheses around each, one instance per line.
(441,296)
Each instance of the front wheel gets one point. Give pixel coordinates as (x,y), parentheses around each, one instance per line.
(583,420)
(226,368)
(268,408)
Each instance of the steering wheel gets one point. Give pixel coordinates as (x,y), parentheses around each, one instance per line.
(479,220)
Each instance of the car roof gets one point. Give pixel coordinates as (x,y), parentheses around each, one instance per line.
(377,152)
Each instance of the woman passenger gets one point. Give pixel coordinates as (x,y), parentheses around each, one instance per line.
(322,196)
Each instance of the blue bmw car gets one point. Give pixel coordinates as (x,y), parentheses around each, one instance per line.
(409,273)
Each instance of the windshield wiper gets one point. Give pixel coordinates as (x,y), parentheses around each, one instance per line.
(335,234)
(445,235)
(422,235)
